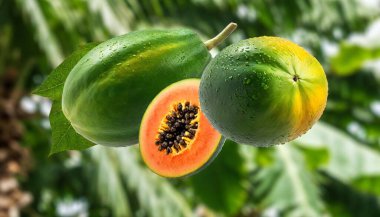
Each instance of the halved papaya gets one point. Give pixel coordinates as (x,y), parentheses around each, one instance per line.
(175,137)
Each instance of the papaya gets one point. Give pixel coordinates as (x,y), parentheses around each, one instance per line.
(263,91)
(176,139)
(106,93)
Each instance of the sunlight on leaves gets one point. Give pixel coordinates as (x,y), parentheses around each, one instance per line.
(45,36)
(155,195)
(288,176)
(351,58)
(349,160)
(109,183)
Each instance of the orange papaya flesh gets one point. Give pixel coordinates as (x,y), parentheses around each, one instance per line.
(175,137)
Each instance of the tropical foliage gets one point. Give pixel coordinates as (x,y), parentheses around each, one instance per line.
(331,171)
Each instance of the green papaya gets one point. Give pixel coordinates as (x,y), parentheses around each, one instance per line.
(263,91)
(108,91)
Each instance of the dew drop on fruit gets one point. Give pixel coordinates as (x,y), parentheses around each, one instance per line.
(247,81)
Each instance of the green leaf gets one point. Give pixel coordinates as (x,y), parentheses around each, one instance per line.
(110,186)
(264,156)
(351,58)
(155,196)
(368,184)
(350,161)
(288,176)
(222,186)
(315,156)
(52,87)
(33,11)
(338,210)
(345,201)
(64,136)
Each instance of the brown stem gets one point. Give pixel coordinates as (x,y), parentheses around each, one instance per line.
(210,44)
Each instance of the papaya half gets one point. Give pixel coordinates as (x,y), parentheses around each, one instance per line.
(263,91)
(108,90)
(176,139)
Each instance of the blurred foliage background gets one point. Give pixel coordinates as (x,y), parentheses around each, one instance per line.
(333,170)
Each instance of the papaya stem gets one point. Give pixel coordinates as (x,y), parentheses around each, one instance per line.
(210,44)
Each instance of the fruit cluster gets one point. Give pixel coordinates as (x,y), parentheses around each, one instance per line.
(162,89)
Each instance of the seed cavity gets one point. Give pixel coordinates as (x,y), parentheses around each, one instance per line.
(179,128)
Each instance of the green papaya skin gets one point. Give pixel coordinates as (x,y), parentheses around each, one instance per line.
(108,91)
(263,91)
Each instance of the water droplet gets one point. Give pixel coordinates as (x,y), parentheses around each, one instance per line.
(247,81)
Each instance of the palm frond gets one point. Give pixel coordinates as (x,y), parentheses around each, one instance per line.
(155,195)
(288,175)
(110,185)
(46,38)
(350,160)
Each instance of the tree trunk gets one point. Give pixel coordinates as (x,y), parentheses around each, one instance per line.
(13,157)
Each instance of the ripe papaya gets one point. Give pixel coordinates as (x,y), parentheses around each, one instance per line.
(263,91)
(176,139)
(106,93)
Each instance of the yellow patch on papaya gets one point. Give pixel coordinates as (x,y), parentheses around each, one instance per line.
(288,83)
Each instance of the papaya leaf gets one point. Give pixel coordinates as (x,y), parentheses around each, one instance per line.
(350,161)
(288,175)
(52,87)
(351,58)
(64,136)
(221,186)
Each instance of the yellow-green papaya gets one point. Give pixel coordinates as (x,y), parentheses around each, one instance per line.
(109,89)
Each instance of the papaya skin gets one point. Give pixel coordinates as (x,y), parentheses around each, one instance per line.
(263,91)
(107,92)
